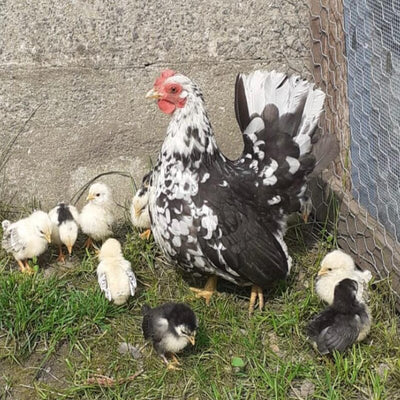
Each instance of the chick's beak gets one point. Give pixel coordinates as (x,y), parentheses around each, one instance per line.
(192,339)
(48,237)
(90,197)
(69,248)
(153,94)
(322,272)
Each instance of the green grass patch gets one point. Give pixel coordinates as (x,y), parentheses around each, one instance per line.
(57,331)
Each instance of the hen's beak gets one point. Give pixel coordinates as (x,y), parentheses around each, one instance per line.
(322,272)
(48,237)
(192,339)
(90,197)
(153,94)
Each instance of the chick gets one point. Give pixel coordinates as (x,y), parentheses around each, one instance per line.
(65,226)
(344,322)
(27,238)
(335,267)
(114,273)
(97,217)
(170,327)
(139,211)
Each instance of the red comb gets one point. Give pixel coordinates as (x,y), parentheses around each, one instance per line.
(167,73)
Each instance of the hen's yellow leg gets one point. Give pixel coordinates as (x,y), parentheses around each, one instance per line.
(256,292)
(209,289)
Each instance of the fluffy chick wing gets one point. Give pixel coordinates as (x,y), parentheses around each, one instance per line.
(340,335)
(102,279)
(126,265)
(331,331)
(154,326)
(13,240)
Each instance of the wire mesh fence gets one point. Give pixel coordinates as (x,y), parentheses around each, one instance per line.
(355,58)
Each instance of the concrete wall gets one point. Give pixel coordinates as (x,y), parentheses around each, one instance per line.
(88,64)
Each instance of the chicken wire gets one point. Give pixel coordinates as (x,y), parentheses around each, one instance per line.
(356,60)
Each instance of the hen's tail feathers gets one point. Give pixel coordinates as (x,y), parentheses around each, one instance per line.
(278,115)
(272,106)
(298,102)
(325,151)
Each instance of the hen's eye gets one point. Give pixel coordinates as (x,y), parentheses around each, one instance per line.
(173,89)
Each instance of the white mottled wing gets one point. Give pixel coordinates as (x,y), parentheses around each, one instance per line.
(12,240)
(131,277)
(103,286)
(132,282)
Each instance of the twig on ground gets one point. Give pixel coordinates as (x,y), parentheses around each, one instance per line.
(103,380)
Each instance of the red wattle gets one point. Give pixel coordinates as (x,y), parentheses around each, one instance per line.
(166,107)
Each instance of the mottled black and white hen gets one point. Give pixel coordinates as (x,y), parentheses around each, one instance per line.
(228,218)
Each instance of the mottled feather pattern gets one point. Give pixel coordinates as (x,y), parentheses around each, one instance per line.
(278,139)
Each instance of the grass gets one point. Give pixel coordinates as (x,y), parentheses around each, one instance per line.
(57,331)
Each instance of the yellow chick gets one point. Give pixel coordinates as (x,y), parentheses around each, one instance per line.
(114,273)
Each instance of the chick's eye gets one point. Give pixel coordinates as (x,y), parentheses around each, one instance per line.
(97,194)
(41,232)
(329,269)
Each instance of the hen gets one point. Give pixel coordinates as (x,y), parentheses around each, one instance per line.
(227,218)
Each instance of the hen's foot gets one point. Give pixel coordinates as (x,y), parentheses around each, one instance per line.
(209,289)
(145,235)
(256,292)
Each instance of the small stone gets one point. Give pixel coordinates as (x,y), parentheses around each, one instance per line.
(273,344)
(307,389)
(382,369)
(125,347)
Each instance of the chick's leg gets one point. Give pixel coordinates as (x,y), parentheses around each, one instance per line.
(256,292)
(61,257)
(21,265)
(88,242)
(209,289)
(146,234)
(171,365)
(28,269)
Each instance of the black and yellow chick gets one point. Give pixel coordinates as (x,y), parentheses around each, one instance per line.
(343,323)
(170,327)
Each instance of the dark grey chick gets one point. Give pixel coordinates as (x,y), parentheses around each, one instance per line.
(344,322)
(170,327)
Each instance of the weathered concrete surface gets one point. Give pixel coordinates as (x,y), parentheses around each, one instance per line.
(88,64)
